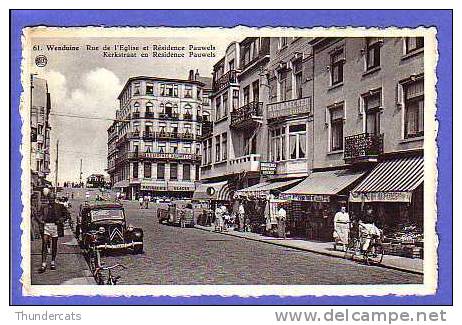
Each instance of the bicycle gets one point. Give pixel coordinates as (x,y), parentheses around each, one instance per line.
(111,280)
(374,252)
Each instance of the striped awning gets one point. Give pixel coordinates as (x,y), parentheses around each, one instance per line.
(219,191)
(392,180)
(320,186)
(265,188)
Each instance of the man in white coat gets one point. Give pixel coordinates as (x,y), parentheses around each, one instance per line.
(342,226)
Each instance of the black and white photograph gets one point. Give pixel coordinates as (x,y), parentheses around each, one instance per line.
(232,161)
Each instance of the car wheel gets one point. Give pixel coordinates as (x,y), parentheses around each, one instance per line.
(138,249)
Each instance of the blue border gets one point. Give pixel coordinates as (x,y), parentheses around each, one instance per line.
(441,19)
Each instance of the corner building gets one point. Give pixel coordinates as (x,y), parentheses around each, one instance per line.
(153,145)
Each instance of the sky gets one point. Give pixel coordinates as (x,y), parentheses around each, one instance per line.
(87,84)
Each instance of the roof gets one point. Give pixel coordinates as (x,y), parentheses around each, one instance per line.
(398,175)
(207,81)
(186,81)
(326,183)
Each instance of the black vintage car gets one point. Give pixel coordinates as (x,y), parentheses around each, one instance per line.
(101,226)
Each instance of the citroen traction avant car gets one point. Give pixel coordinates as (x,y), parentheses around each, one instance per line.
(102,227)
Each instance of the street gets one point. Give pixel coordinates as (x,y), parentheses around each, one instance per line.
(174,255)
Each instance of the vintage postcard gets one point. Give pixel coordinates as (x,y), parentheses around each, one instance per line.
(229,161)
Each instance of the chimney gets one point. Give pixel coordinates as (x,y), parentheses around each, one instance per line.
(196,76)
(191,75)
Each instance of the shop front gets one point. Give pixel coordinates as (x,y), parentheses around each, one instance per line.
(166,189)
(392,195)
(261,203)
(314,202)
(207,197)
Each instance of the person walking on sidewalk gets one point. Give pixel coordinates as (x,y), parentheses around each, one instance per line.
(51,217)
(241,214)
(140,200)
(282,214)
(342,227)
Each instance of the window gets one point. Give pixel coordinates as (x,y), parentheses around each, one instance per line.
(186,172)
(373,45)
(278,145)
(136,90)
(188,91)
(298,80)
(204,153)
(414,108)
(135,170)
(250,145)
(136,107)
(168,109)
(147,170)
(284,88)
(413,44)
(246,95)
(187,148)
(256,90)
(160,171)
(224,144)
(149,89)
(231,65)
(297,141)
(218,108)
(149,107)
(173,171)
(209,151)
(161,147)
(39,129)
(217,149)
(235,99)
(336,67)
(336,127)
(225,104)
(173,148)
(169,90)
(148,147)
(372,107)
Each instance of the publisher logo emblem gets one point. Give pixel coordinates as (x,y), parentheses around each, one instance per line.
(41,61)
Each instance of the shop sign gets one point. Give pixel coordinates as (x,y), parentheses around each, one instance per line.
(268,168)
(381,197)
(290,107)
(165,188)
(305,197)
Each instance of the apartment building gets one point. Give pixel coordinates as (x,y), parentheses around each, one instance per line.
(154,143)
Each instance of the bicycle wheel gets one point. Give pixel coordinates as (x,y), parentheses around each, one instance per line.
(374,254)
(350,249)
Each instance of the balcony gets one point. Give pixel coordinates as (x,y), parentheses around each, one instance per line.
(149,115)
(165,116)
(363,147)
(187,116)
(225,80)
(247,116)
(247,163)
(174,135)
(163,156)
(289,108)
(135,115)
(148,135)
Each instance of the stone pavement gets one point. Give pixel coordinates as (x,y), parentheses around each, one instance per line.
(389,261)
(71,267)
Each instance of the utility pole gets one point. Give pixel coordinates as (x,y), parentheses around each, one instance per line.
(80,184)
(56,166)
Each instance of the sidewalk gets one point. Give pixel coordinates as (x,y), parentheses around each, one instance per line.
(71,267)
(389,261)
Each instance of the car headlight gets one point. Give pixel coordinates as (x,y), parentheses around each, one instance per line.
(101,230)
(130,228)
(137,234)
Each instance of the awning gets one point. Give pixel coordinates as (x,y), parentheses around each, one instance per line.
(219,191)
(320,186)
(265,188)
(121,184)
(391,181)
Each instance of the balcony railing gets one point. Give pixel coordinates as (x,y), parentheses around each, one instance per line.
(225,80)
(187,116)
(165,116)
(248,163)
(149,115)
(175,135)
(247,115)
(148,135)
(136,115)
(363,147)
(161,156)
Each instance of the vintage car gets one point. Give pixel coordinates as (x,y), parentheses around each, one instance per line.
(179,212)
(102,226)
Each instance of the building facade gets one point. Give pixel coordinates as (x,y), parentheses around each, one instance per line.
(154,143)
(235,143)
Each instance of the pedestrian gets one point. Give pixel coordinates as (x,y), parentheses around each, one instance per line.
(241,215)
(218,218)
(282,222)
(342,227)
(118,196)
(87,195)
(225,219)
(50,217)
(147,201)
(140,200)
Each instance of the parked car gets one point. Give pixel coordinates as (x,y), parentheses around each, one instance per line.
(179,212)
(102,226)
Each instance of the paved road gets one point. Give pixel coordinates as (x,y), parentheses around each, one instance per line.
(191,256)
